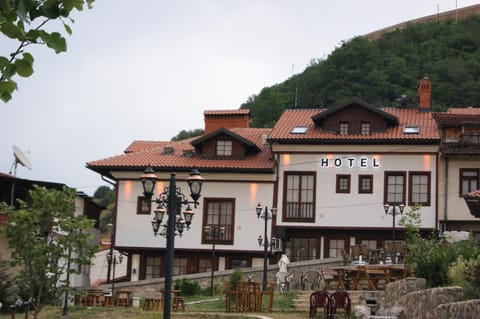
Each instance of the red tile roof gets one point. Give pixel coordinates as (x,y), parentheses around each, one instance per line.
(143,153)
(407,117)
(457,119)
(472,110)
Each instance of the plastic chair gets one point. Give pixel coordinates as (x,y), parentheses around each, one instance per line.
(340,300)
(311,280)
(320,299)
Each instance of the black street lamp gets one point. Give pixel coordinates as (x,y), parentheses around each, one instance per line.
(171,200)
(113,260)
(265,216)
(394,213)
(213,232)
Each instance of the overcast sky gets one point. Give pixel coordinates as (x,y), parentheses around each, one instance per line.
(146,69)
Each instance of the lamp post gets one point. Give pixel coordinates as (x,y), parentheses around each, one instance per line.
(265,216)
(114,259)
(394,213)
(171,200)
(214,232)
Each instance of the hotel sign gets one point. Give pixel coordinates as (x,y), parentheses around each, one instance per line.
(350,162)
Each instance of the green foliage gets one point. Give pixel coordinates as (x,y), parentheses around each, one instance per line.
(432,257)
(104,196)
(235,278)
(188,287)
(43,234)
(380,71)
(466,273)
(6,286)
(184,134)
(24,22)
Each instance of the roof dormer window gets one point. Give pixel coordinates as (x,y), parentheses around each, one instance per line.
(365,128)
(224,148)
(343,128)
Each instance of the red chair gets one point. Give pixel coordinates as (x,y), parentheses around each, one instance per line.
(320,299)
(340,300)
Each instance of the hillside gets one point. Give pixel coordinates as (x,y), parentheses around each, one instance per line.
(381,69)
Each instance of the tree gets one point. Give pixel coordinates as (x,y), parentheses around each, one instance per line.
(25,22)
(184,134)
(105,197)
(44,235)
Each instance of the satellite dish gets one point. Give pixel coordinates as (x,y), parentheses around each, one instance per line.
(20,158)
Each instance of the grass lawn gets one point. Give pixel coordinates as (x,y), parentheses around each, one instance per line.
(196,308)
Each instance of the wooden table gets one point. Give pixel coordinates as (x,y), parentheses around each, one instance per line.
(372,274)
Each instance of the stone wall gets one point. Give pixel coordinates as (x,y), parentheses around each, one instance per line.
(409,299)
(150,287)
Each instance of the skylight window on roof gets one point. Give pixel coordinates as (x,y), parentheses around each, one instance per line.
(299,130)
(411,129)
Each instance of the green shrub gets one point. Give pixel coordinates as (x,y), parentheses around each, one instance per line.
(466,274)
(188,287)
(235,277)
(6,286)
(430,256)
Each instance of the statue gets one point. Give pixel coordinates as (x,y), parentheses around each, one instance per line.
(283,277)
(282,263)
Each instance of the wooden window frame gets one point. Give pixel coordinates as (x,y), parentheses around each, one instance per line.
(305,213)
(143,208)
(343,128)
(340,178)
(386,191)
(229,235)
(361,189)
(410,188)
(224,148)
(365,128)
(462,178)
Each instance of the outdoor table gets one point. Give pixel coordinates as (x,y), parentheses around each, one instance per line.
(122,297)
(372,274)
(94,297)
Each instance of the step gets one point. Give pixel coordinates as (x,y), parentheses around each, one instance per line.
(302,301)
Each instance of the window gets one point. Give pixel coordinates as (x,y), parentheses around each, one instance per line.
(224,148)
(205,265)
(143,208)
(179,266)
(411,129)
(299,197)
(220,212)
(371,244)
(365,128)
(299,130)
(419,188)
(335,247)
(468,180)
(343,128)
(299,248)
(343,184)
(238,263)
(394,192)
(152,269)
(365,184)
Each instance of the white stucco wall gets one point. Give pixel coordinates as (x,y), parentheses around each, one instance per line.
(456,207)
(133,230)
(355,209)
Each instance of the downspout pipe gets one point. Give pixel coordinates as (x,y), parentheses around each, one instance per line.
(445,197)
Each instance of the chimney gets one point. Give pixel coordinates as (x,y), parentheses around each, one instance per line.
(226,118)
(424,89)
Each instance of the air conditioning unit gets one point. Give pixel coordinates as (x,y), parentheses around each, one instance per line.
(277,245)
